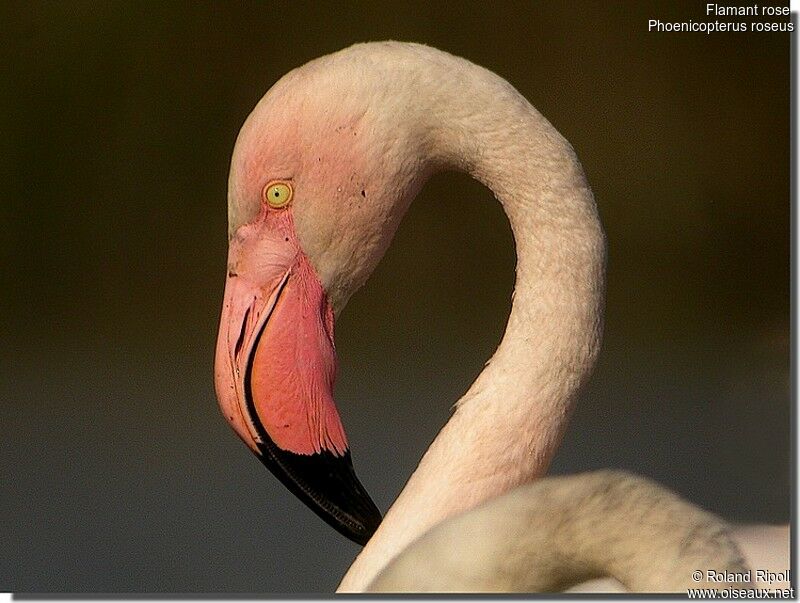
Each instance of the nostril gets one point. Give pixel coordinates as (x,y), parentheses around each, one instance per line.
(240,341)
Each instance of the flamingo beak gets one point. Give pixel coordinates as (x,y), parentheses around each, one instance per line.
(275,368)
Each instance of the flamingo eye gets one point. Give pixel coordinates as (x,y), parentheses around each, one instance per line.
(278,194)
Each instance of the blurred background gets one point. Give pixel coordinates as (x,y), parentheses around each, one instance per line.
(117,122)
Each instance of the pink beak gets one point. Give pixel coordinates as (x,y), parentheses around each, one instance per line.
(275,369)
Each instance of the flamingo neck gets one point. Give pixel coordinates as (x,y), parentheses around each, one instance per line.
(507,426)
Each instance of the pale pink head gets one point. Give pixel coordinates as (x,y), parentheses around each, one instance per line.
(326,136)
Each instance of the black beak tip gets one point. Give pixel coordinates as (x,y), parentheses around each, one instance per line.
(328,485)
(367,518)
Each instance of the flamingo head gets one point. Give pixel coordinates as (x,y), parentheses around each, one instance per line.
(320,177)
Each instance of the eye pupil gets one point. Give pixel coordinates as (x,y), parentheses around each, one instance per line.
(277,194)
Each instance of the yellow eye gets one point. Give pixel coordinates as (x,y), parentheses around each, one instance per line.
(278,194)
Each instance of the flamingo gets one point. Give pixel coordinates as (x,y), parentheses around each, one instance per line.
(557,532)
(323,170)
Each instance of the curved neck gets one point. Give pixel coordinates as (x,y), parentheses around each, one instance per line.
(507,426)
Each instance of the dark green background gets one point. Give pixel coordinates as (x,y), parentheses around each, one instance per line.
(117,121)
